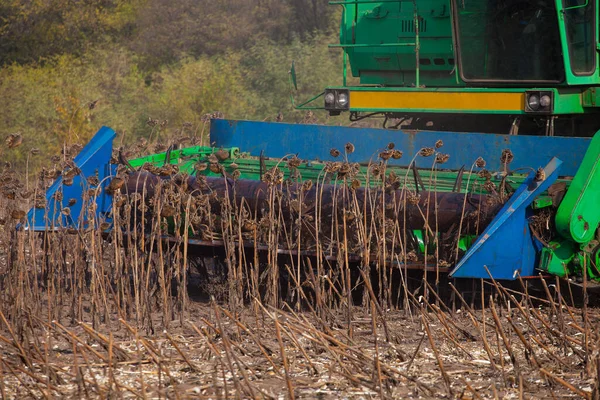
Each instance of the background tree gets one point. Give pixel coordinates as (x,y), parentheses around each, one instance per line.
(172,60)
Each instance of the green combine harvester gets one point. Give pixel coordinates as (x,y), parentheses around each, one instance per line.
(490,169)
(519,67)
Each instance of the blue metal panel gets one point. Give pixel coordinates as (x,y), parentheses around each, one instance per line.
(507,245)
(93,158)
(315,141)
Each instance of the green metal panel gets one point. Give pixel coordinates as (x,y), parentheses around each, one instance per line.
(384,39)
(575,13)
(367,25)
(383,43)
(578,215)
(591,97)
(558,257)
(250,168)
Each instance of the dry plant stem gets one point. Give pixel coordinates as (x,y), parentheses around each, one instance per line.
(566,384)
(482,332)
(292,337)
(286,368)
(181,353)
(18,377)
(16,343)
(437,356)
(499,329)
(99,390)
(377,366)
(105,342)
(2,389)
(321,338)
(256,340)
(529,350)
(81,341)
(228,356)
(475,394)
(217,354)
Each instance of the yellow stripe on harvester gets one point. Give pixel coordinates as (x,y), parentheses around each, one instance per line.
(376,100)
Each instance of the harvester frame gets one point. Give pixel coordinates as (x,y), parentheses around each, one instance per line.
(515,180)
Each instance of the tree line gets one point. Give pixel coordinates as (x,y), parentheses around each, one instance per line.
(68,67)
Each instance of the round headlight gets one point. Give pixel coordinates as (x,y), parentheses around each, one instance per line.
(545,100)
(329,98)
(534,102)
(343,99)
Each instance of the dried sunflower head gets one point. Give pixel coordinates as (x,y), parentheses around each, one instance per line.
(507,156)
(442,158)
(412,198)
(199,167)
(485,174)
(215,168)
(18,214)
(307,185)
(489,186)
(349,148)
(331,167)
(115,184)
(376,170)
(13,140)
(426,151)
(540,174)
(93,180)
(334,153)
(294,162)
(480,162)
(439,144)
(386,155)
(167,211)
(222,155)
(397,154)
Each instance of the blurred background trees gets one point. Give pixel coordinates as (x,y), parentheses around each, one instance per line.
(67,67)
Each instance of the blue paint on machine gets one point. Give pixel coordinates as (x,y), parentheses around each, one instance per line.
(505,250)
(507,247)
(93,159)
(313,142)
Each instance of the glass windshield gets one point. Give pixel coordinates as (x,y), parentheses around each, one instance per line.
(579,25)
(509,40)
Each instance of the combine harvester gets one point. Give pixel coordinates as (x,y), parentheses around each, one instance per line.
(488,166)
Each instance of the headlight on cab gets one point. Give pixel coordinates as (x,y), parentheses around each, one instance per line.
(337,100)
(329,98)
(539,101)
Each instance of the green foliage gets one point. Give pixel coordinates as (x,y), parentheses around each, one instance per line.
(69,67)
(194,87)
(267,66)
(30,31)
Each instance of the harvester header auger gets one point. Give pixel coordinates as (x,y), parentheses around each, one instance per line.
(469,205)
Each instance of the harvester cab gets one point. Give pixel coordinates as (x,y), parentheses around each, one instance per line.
(527,67)
(502,182)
